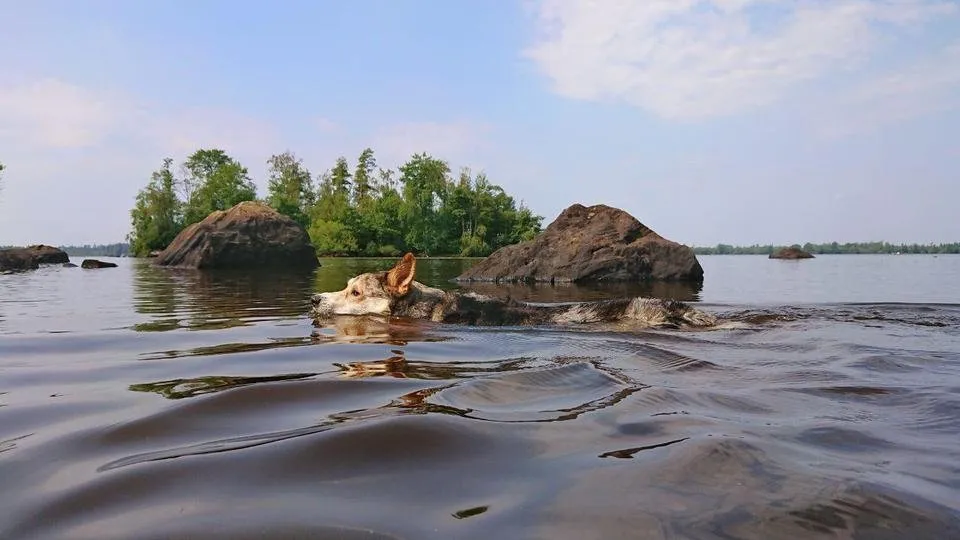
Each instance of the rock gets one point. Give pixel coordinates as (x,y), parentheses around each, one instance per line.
(91,264)
(48,254)
(249,235)
(69,265)
(590,244)
(17,260)
(792,252)
(30,258)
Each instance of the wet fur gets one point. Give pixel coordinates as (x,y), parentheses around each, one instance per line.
(395,293)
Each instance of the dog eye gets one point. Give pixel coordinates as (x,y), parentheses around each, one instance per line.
(355,292)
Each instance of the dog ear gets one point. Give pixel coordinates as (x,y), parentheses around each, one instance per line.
(400,276)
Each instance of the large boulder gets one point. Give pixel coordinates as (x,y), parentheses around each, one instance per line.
(30,258)
(590,244)
(17,260)
(49,254)
(249,235)
(791,253)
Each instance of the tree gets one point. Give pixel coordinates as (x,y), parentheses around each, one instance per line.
(340,177)
(157,215)
(290,188)
(425,181)
(214,181)
(333,221)
(363,178)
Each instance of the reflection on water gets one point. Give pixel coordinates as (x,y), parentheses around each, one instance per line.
(217,299)
(155,403)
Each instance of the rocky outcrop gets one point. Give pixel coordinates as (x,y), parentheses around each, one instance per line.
(590,244)
(91,264)
(30,258)
(791,253)
(17,260)
(248,235)
(49,254)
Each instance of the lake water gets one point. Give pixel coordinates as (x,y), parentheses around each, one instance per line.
(139,402)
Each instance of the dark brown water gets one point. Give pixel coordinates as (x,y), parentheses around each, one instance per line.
(145,403)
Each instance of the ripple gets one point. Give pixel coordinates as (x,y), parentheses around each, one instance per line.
(842,439)
(184,404)
(552,393)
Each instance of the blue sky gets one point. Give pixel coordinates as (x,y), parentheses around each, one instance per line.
(738,121)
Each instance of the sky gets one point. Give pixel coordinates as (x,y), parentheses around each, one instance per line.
(733,121)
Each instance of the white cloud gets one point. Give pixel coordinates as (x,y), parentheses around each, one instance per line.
(52,113)
(693,59)
(57,139)
(919,89)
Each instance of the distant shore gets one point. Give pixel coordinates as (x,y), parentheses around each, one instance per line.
(835,248)
(122,249)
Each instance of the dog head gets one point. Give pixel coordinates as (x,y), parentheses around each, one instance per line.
(373,293)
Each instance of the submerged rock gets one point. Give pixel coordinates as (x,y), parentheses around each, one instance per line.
(91,264)
(792,252)
(590,244)
(248,235)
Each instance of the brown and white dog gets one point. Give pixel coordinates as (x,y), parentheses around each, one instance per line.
(395,293)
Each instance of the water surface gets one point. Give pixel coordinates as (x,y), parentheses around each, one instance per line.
(140,402)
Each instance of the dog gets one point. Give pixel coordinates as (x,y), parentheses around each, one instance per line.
(394,293)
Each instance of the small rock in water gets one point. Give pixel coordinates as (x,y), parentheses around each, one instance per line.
(93,263)
(791,253)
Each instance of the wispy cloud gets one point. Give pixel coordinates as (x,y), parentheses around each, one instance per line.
(921,88)
(325,125)
(56,136)
(54,114)
(697,59)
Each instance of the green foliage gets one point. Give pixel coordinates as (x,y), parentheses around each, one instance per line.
(332,237)
(290,188)
(369,211)
(158,214)
(425,183)
(423,211)
(340,177)
(363,179)
(214,181)
(832,248)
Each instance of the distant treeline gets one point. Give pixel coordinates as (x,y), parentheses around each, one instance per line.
(360,210)
(833,248)
(120,249)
